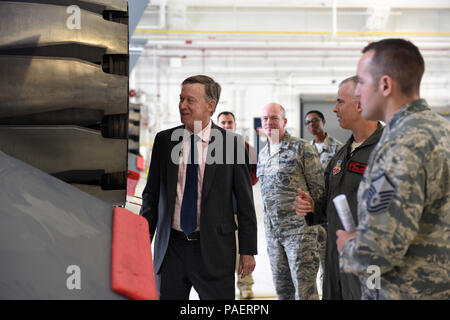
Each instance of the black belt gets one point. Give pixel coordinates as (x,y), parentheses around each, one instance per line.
(181,235)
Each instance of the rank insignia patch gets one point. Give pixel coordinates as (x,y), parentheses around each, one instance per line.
(381,193)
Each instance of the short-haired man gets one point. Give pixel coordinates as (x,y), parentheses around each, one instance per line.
(285,164)
(326,146)
(342,176)
(195,242)
(227,120)
(404,197)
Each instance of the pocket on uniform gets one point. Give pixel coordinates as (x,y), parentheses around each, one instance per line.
(288,168)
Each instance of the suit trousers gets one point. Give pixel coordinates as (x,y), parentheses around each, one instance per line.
(183,268)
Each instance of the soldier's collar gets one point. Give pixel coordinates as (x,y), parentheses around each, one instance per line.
(409,108)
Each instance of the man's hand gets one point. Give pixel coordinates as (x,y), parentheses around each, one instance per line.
(247,264)
(343,237)
(303,203)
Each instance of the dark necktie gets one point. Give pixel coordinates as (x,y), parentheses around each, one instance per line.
(188,214)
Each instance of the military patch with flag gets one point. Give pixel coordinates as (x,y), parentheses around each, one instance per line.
(337,168)
(381,193)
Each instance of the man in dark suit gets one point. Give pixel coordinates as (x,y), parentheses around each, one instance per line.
(189,175)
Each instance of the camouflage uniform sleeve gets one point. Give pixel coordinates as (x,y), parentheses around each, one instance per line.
(389,210)
(313,172)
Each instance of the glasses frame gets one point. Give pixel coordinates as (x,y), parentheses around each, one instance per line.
(313,120)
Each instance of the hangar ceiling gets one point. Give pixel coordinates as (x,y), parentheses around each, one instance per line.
(286,48)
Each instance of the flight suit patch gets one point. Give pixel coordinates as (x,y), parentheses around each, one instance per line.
(357,167)
(337,168)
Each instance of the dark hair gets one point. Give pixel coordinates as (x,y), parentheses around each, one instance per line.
(212,88)
(401,60)
(226,113)
(315,111)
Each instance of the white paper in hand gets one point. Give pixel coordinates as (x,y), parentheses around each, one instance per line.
(341,204)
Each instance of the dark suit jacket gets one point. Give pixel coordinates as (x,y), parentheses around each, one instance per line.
(221,179)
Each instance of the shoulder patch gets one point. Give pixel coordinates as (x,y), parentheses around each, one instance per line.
(337,167)
(381,193)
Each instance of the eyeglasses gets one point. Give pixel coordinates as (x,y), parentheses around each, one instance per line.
(314,120)
(273,119)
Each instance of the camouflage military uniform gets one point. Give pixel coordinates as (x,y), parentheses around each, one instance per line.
(291,244)
(331,146)
(404,210)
